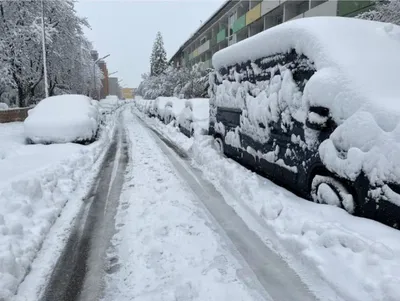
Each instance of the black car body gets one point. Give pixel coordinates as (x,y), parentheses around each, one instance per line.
(283,155)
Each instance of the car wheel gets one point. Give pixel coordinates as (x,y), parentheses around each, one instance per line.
(219,145)
(330,191)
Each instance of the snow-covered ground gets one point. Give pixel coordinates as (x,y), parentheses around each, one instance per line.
(166,247)
(36,183)
(356,257)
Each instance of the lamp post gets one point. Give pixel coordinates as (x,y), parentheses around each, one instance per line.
(94,71)
(46,84)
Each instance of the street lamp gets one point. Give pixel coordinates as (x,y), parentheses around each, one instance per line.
(46,84)
(112,73)
(94,71)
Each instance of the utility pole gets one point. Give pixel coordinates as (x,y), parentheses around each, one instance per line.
(46,83)
(94,72)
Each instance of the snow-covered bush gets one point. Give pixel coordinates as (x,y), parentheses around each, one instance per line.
(3,106)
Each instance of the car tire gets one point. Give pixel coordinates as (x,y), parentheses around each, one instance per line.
(219,145)
(328,190)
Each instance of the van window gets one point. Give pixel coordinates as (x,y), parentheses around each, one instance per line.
(229,116)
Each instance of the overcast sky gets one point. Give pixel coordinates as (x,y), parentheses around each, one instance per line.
(126,29)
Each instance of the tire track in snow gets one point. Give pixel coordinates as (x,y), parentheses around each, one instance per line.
(77,274)
(273,273)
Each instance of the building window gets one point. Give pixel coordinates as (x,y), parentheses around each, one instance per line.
(317,2)
(302,7)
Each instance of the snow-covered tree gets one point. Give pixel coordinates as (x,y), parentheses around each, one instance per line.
(384,11)
(179,82)
(158,58)
(197,83)
(69,63)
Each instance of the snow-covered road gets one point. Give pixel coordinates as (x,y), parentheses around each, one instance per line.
(177,239)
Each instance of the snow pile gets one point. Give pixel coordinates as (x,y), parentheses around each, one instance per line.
(319,241)
(60,119)
(3,106)
(36,182)
(364,106)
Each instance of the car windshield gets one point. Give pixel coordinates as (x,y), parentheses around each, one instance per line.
(193,150)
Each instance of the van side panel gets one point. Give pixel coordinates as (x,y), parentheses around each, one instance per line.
(266,144)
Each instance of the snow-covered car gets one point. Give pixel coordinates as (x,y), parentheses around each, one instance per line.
(110,103)
(314,105)
(140,104)
(159,105)
(149,109)
(173,108)
(194,117)
(62,119)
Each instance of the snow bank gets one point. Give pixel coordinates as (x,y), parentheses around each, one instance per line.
(60,119)
(356,79)
(322,243)
(31,198)
(3,106)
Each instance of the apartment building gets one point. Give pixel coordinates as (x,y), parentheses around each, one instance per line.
(235,21)
(104,82)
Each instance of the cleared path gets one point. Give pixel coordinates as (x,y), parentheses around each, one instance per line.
(275,276)
(81,263)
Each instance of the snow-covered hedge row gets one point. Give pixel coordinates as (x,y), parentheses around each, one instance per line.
(179,82)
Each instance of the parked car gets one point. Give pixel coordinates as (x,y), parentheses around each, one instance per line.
(317,115)
(194,118)
(172,109)
(159,105)
(63,119)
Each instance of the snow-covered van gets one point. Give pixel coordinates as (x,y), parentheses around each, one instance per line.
(314,104)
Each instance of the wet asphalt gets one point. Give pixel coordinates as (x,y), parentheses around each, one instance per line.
(92,231)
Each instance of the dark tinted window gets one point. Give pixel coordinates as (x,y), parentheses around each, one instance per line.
(229,116)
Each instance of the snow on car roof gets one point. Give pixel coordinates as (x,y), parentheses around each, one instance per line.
(363,55)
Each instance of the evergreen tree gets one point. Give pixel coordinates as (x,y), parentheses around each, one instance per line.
(158,59)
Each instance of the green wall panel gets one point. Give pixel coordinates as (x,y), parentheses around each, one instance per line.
(353,8)
(221,35)
(239,23)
